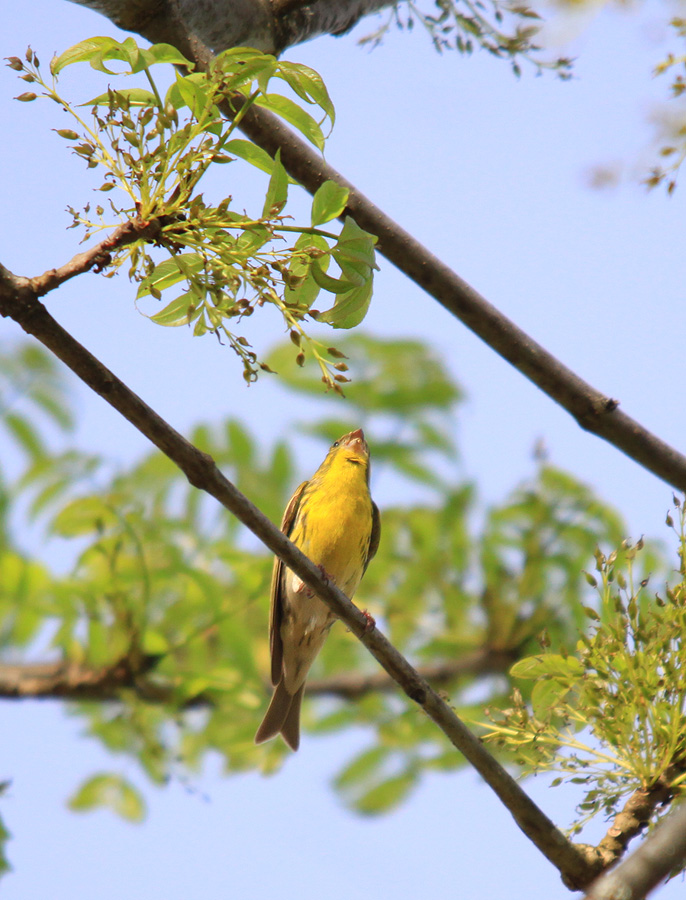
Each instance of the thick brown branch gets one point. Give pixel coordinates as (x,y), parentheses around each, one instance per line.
(18,301)
(629,821)
(660,854)
(594,411)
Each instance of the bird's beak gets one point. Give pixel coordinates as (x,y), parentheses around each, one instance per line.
(355,441)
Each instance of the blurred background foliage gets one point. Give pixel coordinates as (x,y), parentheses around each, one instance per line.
(163,582)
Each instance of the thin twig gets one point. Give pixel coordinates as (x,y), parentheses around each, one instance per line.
(99,256)
(19,302)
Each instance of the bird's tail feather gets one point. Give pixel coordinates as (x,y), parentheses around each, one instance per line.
(282,717)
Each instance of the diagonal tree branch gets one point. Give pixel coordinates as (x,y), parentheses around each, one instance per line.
(19,301)
(593,411)
(661,853)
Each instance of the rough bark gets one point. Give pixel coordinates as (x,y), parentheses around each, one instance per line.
(662,853)
(219,24)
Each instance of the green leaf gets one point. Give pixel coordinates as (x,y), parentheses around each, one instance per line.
(277,192)
(386,796)
(308,85)
(548,665)
(260,68)
(170,272)
(155,643)
(251,153)
(546,696)
(354,252)
(329,202)
(240,66)
(4,837)
(189,90)
(83,51)
(307,291)
(294,115)
(349,309)
(135,96)
(179,312)
(333,285)
(83,516)
(113,791)
(24,433)
(362,767)
(166,53)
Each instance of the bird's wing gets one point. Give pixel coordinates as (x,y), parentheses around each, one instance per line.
(375,536)
(276,606)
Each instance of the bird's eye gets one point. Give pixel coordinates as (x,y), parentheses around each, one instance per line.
(335,444)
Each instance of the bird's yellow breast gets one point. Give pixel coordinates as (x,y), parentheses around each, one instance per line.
(334,523)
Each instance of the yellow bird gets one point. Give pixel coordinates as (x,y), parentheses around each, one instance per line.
(335,523)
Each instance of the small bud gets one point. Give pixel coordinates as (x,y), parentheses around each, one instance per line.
(29,54)
(300,359)
(676,500)
(590,579)
(669,521)
(15,63)
(66,133)
(332,351)
(25,98)
(295,337)
(341,367)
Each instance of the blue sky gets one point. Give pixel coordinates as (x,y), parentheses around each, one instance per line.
(492,174)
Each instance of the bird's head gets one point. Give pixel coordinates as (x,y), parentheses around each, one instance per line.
(348,456)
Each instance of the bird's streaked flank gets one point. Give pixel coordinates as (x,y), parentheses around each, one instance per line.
(334,521)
